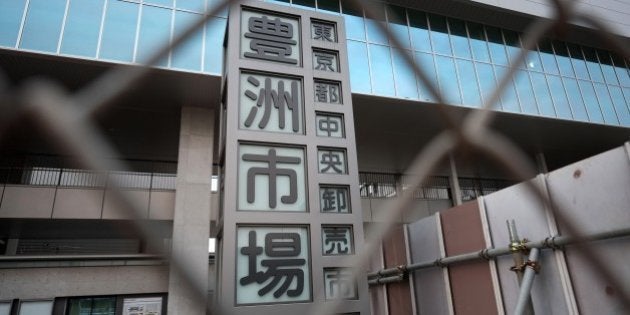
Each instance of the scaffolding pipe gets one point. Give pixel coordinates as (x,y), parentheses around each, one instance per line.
(386,280)
(554,242)
(523,302)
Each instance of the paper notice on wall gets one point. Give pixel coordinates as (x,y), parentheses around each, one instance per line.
(143,306)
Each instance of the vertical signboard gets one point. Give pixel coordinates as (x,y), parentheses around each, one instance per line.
(290,212)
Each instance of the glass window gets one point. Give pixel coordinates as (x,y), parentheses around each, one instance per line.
(439,35)
(447,78)
(328,5)
(374,33)
(355,27)
(188,54)
(214,3)
(35,307)
(620,105)
(563,59)
(478,42)
(513,46)
(306,4)
(621,70)
(359,67)
(468,83)
(215,33)
(487,81)
(577,59)
(5,308)
(495,43)
(398,25)
(155,31)
(532,61)
(559,96)
(419,30)
(605,103)
(83,24)
(167,3)
(575,99)
(543,97)
(192,5)
(592,63)
(525,92)
(404,76)
(626,95)
(10,18)
(88,306)
(607,68)
(508,97)
(381,65)
(459,38)
(426,64)
(119,31)
(547,57)
(43,25)
(590,100)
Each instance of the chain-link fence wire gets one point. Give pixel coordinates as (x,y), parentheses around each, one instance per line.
(68,118)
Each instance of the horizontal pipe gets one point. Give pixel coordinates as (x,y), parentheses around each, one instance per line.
(22,258)
(386,280)
(554,242)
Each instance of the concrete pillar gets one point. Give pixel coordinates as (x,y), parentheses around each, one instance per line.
(191,222)
(454,179)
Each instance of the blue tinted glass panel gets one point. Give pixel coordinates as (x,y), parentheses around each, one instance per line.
(119,31)
(591,102)
(168,3)
(10,18)
(459,38)
(188,54)
(426,64)
(495,44)
(155,31)
(478,42)
(577,59)
(607,68)
(626,95)
(620,105)
(398,25)
(513,46)
(83,23)
(621,70)
(214,3)
(525,92)
(439,35)
(359,67)
(605,103)
(564,61)
(328,5)
(543,97)
(43,25)
(419,31)
(215,33)
(403,74)
(559,97)
(192,5)
(355,26)
(532,61)
(374,33)
(592,64)
(575,99)
(468,83)
(447,78)
(487,82)
(381,64)
(547,57)
(508,97)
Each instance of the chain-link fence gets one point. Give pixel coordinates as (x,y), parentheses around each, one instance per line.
(69,120)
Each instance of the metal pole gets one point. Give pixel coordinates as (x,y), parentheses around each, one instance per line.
(554,242)
(517,256)
(523,302)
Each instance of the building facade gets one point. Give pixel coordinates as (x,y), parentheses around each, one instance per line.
(66,243)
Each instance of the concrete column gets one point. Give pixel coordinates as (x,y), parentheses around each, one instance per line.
(191,222)
(455,190)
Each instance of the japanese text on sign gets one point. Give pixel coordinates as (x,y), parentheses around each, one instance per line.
(334,199)
(338,284)
(269,37)
(332,161)
(337,240)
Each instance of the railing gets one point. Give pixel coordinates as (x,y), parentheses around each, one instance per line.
(389,185)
